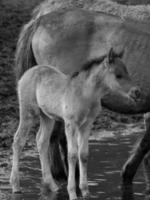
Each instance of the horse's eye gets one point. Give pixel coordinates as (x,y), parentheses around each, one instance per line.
(118,76)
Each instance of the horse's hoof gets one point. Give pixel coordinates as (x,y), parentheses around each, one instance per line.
(127,175)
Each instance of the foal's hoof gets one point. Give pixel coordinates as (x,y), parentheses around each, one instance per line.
(14,182)
(54,189)
(73,196)
(85,191)
(50,187)
(86,195)
(16,190)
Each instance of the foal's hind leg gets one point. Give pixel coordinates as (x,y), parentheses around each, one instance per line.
(18,144)
(43,137)
(136,158)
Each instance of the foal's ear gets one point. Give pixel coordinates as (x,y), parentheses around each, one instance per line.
(111,56)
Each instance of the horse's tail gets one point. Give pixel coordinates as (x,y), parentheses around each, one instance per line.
(24,58)
(58,152)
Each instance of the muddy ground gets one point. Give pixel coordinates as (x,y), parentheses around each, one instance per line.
(13,14)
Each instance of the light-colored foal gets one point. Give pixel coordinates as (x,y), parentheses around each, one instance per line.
(52,95)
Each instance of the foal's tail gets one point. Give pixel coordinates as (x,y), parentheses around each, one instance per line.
(24,59)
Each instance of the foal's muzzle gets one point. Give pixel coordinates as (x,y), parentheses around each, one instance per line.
(135,93)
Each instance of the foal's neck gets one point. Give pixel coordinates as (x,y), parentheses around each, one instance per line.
(91,82)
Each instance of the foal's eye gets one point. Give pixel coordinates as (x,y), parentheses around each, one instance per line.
(118,76)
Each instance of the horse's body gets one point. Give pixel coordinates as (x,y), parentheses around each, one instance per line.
(69,37)
(75,99)
(92,34)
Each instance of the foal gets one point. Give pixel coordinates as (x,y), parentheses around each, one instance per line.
(52,95)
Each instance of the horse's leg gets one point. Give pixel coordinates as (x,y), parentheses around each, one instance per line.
(42,139)
(26,120)
(136,158)
(63,153)
(83,151)
(147,171)
(72,158)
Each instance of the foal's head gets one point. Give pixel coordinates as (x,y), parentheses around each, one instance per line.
(113,75)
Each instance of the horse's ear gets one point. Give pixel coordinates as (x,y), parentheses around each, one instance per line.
(111,56)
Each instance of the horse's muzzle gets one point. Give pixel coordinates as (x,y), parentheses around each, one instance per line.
(135,93)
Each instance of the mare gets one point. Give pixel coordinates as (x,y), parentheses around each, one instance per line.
(46,92)
(66,38)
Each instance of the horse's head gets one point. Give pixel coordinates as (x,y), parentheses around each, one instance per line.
(117,78)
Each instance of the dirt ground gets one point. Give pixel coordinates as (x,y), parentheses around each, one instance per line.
(13,14)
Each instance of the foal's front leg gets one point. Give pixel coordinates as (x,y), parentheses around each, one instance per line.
(83,151)
(70,130)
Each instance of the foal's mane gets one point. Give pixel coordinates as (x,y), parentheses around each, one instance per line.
(89,65)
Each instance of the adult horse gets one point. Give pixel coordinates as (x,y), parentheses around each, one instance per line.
(70,36)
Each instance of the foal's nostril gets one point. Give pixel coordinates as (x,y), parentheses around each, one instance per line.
(135,93)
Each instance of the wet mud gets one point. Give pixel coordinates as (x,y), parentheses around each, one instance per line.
(108,152)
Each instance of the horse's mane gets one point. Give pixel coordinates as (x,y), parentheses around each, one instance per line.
(89,65)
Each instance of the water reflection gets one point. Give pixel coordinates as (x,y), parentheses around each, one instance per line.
(127,192)
(43,196)
(107,157)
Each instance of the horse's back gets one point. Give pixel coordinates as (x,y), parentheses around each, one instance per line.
(69,37)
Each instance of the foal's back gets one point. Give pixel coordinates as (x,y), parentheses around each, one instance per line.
(41,87)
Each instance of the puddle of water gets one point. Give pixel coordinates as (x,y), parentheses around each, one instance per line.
(106,159)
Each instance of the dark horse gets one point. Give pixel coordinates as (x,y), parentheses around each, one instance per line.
(69,37)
